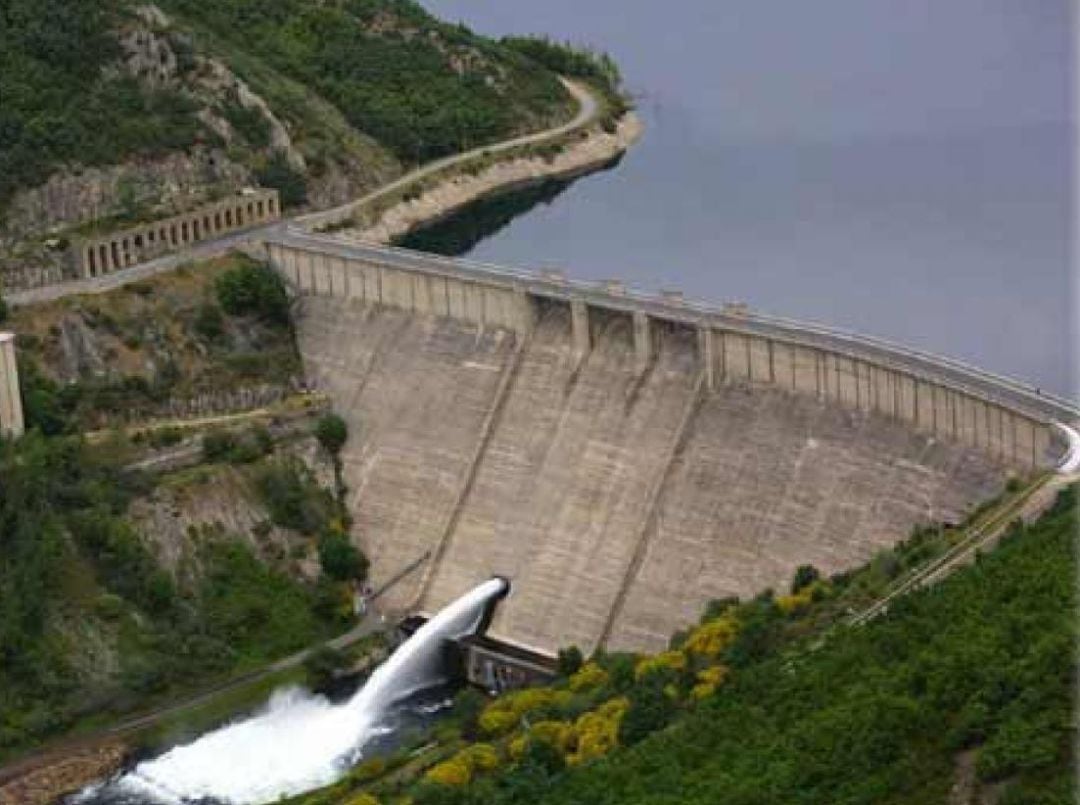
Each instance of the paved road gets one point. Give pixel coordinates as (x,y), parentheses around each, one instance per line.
(587,109)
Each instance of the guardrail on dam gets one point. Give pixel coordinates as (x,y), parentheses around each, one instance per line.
(624,458)
(937,395)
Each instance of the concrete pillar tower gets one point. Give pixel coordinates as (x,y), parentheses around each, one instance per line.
(11,413)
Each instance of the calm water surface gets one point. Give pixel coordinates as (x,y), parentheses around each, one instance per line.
(901,169)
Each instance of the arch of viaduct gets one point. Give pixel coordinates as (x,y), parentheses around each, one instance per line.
(118,250)
(1010,421)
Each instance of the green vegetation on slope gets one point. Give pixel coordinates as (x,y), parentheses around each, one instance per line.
(87,362)
(61,106)
(90,623)
(964,688)
(353,81)
(420,87)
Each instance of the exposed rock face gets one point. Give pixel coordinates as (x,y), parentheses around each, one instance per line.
(161,58)
(78,195)
(50,781)
(173,517)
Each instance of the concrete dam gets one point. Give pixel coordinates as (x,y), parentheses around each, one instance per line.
(624,458)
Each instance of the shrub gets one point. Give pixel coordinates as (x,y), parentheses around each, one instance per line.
(293,499)
(322,665)
(468,705)
(3,310)
(248,122)
(596,733)
(362,798)
(165,437)
(278,174)
(708,681)
(805,575)
(217,445)
(209,323)
(340,559)
(570,661)
(455,772)
(661,664)
(332,432)
(650,709)
(588,677)
(253,289)
(712,637)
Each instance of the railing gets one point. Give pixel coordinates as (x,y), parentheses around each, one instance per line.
(960,375)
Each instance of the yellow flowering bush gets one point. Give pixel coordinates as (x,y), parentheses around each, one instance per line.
(555,733)
(708,681)
(496,722)
(503,714)
(480,757)
(460,769)
(589,676)
(597,732)
(362,799)
(667,660)
(712,637)
(454,772)
(800,601)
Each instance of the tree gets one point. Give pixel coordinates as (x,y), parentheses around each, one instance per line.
(3,310)
(332,432)
(281,176)
(340,559)
(805,575)
(570,661)
(253,289)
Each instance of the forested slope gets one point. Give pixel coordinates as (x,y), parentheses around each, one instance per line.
(178,101)
(962,694)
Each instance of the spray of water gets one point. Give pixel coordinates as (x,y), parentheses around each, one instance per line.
(299,741)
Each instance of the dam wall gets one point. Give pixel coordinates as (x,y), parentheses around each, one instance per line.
(624,459)
(416,393)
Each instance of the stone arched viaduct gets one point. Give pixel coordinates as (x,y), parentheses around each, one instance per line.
(625,457)
(97,256)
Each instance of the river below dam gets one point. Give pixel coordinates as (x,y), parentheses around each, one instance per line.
(902,170)
(299,741)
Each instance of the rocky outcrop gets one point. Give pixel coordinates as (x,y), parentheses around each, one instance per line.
(49,780)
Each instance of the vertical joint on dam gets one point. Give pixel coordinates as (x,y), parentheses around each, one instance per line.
(11,412)
(526,312)
(643,344)
(579,323)
(705,354)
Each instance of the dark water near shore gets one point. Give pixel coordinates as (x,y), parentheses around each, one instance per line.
(902,170)
(460,233)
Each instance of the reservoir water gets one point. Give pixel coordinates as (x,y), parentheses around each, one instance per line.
(899,169)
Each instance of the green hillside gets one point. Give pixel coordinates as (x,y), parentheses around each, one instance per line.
(349,91)
(961,695)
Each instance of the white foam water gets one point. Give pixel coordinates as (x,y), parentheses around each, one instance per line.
(300,741)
